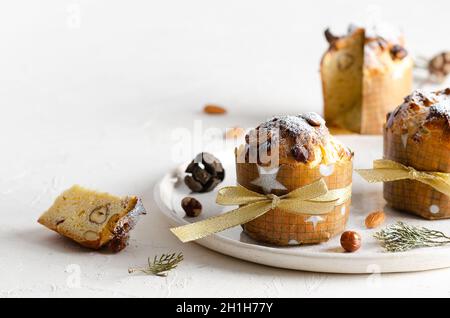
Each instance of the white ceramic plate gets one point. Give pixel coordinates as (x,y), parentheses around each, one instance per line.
(327,257)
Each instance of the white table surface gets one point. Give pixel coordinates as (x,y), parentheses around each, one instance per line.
(97,93)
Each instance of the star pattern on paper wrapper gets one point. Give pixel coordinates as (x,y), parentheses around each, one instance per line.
(293,242)
(315,219)
(434,209)
(267,180)
(326,170)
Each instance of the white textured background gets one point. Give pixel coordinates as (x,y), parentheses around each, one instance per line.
(90,93)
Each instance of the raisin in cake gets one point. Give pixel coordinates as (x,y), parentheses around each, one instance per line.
(93,219)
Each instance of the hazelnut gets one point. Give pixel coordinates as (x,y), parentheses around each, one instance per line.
(99,214)
(191,206)
(350,241)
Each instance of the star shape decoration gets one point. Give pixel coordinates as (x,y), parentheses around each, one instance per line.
(404,140)
(267,180)
(293,242)
(326,170)
(315,219)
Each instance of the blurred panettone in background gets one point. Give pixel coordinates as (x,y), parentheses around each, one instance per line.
(365,74)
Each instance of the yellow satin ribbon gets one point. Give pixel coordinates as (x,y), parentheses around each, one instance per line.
(314,199)
(388,170)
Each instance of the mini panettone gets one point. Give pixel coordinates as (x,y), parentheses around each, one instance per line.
(417,135)
(287,153)
(93,219)
(365,74)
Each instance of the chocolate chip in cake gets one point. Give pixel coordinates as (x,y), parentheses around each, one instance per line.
(398,52)
(313,119)
(300,153)
(191,206)
(414,106)
(438,111)
(206,172)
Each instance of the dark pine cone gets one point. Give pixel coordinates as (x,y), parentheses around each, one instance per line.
(439,65)
(205,172)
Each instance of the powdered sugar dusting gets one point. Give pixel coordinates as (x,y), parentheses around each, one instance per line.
(440,110)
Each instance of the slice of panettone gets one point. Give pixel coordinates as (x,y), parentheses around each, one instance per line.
(365,74)
(93,219)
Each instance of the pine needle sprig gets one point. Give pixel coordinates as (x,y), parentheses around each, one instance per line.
(402,237)
(160,266)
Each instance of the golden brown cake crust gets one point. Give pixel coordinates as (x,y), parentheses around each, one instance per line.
(300,139)
(423,115)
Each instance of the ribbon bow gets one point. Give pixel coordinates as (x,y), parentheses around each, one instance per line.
(387,170)
(312,199)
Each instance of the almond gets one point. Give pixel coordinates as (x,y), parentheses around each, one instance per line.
(375,219)
(214,109)
(234,132)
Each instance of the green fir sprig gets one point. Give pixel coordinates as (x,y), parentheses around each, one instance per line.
(402,237)
(160,266)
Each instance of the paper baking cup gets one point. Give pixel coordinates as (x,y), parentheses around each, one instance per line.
(382,92)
